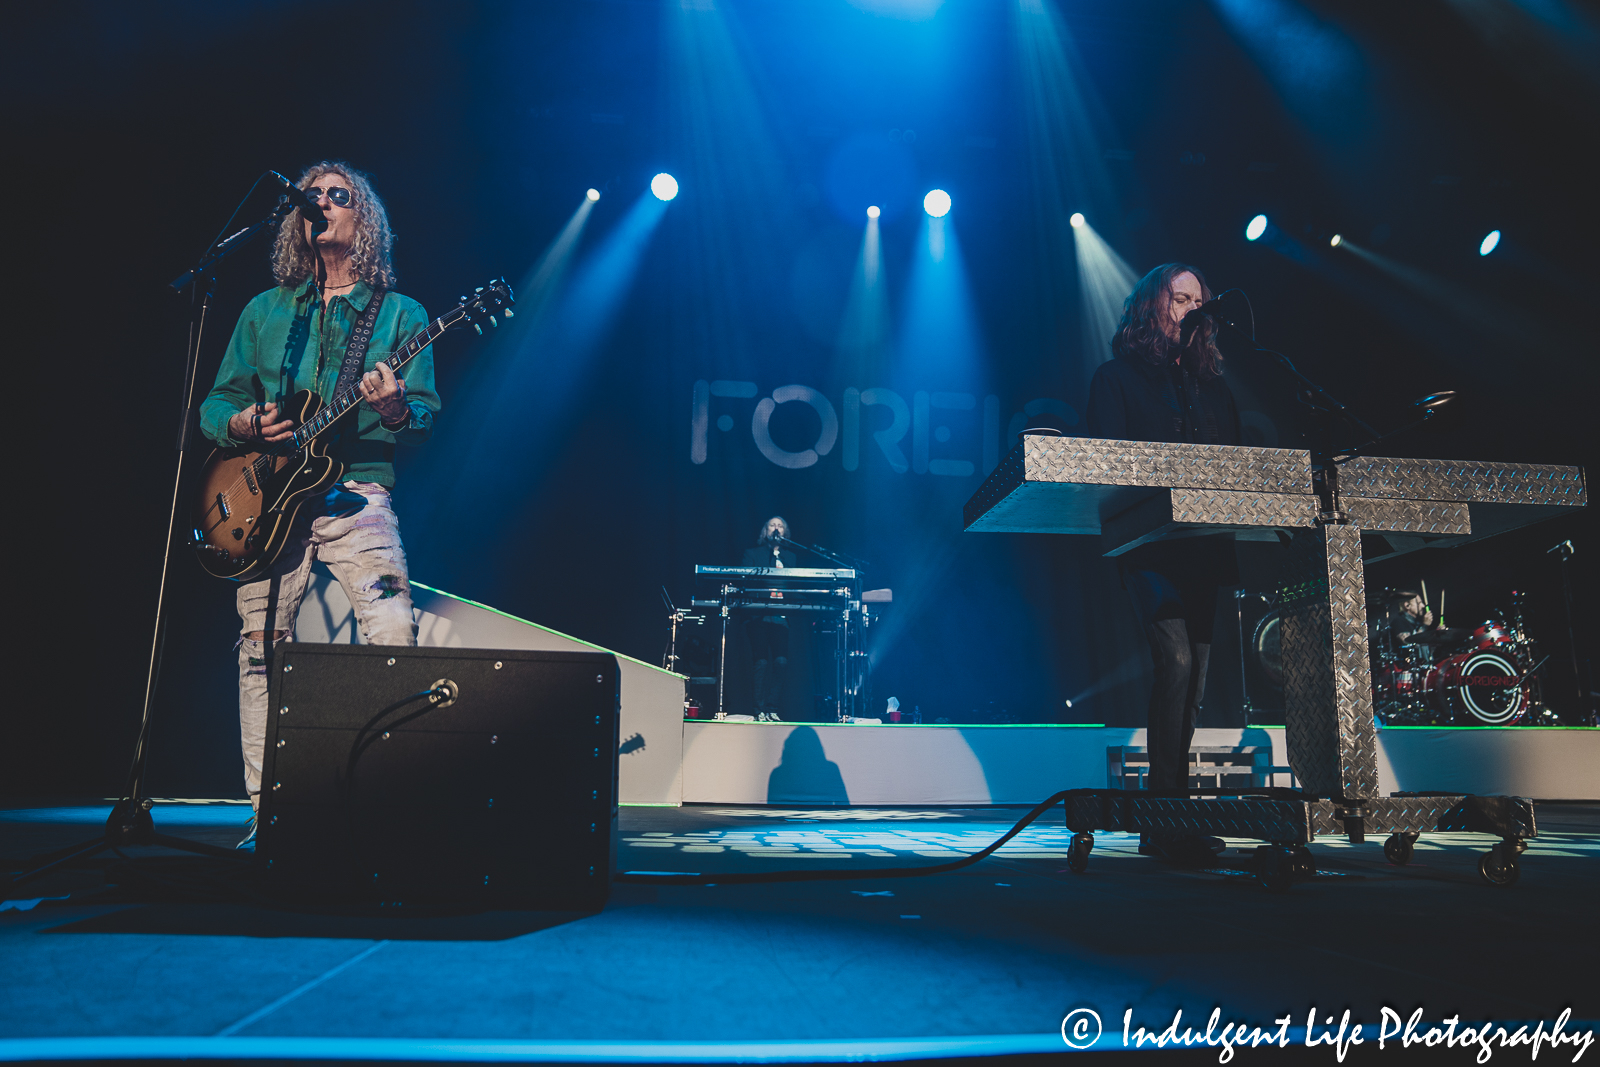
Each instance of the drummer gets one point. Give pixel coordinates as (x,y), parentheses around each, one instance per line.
(1409,616)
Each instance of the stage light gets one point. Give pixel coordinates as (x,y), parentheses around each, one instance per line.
(1257,227)
(665,186)
(937,203)
(1076,219)
(593,194)
(1490,243)
(1336,241)
(873,212)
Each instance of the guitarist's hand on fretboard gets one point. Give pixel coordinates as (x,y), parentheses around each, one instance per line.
(386,394)
(261,424)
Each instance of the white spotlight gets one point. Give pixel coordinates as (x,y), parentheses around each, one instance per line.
(1490,243)
(1076,220)
(593,194)
(937,203)
(1257,227)
(873,212)
(665,186)
(1335,241)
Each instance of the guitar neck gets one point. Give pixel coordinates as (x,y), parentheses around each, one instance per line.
(351,396)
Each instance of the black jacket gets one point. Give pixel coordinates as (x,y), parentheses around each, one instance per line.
(1135,401)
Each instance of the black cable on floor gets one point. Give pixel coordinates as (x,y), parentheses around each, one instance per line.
(840,874)
(844,873)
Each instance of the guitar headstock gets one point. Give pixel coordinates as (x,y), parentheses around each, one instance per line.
(487,301)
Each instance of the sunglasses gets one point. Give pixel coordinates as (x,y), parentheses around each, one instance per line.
(337,195)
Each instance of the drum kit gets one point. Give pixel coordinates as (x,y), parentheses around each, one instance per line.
(1463,676)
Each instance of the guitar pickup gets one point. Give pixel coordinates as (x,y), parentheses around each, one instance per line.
(250,481)
(222,506)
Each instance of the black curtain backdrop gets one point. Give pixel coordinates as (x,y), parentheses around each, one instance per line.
(562,484)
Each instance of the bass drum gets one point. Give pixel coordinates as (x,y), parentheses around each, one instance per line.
(1266,649)
(1484,687)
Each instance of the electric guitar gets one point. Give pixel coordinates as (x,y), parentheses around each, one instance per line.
(248,500)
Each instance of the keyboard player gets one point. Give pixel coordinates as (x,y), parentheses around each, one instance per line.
(1165,384)
(769,634)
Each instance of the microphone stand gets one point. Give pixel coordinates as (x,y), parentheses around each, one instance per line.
(847,562)
(130,822)
(850,689)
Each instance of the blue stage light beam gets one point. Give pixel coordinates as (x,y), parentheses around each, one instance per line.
(1104,281)
(1551,45)
(864,329)
(939,338)
(1480,313)
(530,396)
(1319,72)
(1069,133)
(600,282)
(908,10)
(734,241)
(461,488)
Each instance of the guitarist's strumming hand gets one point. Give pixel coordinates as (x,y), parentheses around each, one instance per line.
(261,424)
(386,394)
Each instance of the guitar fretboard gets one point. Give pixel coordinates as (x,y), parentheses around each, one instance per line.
(350,397)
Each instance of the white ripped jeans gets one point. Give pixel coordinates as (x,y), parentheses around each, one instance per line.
(363,550)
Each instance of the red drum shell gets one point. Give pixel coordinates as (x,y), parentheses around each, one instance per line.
(1484,687)
(1492,632)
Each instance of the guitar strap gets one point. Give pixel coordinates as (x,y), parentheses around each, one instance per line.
(355,352)
(339,500)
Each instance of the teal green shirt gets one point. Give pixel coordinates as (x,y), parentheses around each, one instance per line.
(286,341)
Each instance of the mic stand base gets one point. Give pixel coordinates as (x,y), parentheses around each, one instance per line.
(130,824)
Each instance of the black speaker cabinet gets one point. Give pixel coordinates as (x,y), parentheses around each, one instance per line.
(434,775)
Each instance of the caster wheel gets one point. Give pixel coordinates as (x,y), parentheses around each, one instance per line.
(1078,854)
(1397,849)
(1499,866)
(1275,869)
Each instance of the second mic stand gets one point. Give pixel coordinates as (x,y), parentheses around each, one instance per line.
(850,657)
(130,822)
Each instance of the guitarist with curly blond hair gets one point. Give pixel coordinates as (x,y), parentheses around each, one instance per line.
(325,328)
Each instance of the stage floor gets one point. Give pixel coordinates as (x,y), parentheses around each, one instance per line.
(985,960)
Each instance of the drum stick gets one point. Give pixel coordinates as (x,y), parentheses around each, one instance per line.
(1440,619)
(1424,592)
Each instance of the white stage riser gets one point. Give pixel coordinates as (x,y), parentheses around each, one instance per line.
(652,699)
(745,763)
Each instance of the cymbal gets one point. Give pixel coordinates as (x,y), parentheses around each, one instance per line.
(1450,636)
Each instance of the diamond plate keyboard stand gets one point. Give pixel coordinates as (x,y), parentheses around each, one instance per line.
(1130,493)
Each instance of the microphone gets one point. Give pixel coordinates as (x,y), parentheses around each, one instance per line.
(297,197)
(1192,321)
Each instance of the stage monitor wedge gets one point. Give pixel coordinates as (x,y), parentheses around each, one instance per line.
(440,776)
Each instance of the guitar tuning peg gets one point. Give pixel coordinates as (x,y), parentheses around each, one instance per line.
(463,300)
(478,329)
(479,289)
(492,322)
(510,314)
